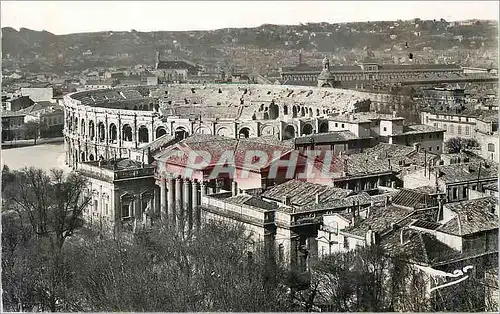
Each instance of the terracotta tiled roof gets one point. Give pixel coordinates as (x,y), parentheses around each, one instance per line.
(379,219)
(304,193)
(472,216)
(466,172)
(412,199)
(361,199)
(417,246)
(219,145)
(420,128)
(245,199)
(330,137)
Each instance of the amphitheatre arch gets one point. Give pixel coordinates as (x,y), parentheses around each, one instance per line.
(82,156)
(273,111)
(223,131)
(307,129)
(285,110)
(289,132)
(181,132)
(294,112)
(143,134)
(323,127)
(127,133)
(160,131)
(91,157)
(112,133)
(310,112)
(269,130)
(91,129)
(101,131)
(82,127)
(203,130)
(244,132)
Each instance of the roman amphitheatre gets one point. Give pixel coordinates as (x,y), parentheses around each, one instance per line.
(115,122)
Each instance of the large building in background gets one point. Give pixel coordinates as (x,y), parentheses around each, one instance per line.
(369,71)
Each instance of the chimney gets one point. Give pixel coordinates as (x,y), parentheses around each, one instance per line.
(394,114)
(369,236)
(286,200)
(317,198)
(353,213)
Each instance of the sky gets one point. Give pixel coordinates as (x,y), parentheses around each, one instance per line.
(64,17)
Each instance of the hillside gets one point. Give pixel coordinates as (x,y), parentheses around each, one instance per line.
(139,47)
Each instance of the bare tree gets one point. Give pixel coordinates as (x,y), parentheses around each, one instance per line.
(51,206)
(162,270)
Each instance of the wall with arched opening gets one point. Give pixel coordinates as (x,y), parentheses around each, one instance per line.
(289,132)
(127,133)
(160,131)
(307,129)
(113,133)
(143,134)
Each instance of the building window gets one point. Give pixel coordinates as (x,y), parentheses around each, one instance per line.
(342,125)
(437,148)
(435,124)
(125,210)
(466,119)
(430,148)
(452,128)
(96,206)
(455,193)
(336,125)
(106,208)
(459,129)
(281,252)
(464,192)
(491,147)
(474,187)
(467,130)
(346,243)
(385,129)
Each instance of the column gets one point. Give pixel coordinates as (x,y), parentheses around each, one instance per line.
(187,205)
(157,201)
(170,200)
(195,219)
(163,199)
(203,189)
(214,186)
(234,188)
(178,200)
(137,207)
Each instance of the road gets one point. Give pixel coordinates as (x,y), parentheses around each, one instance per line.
(44,156)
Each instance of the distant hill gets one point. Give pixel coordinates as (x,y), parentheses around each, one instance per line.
(322,37)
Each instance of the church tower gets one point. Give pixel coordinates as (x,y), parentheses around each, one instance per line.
(326,78)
